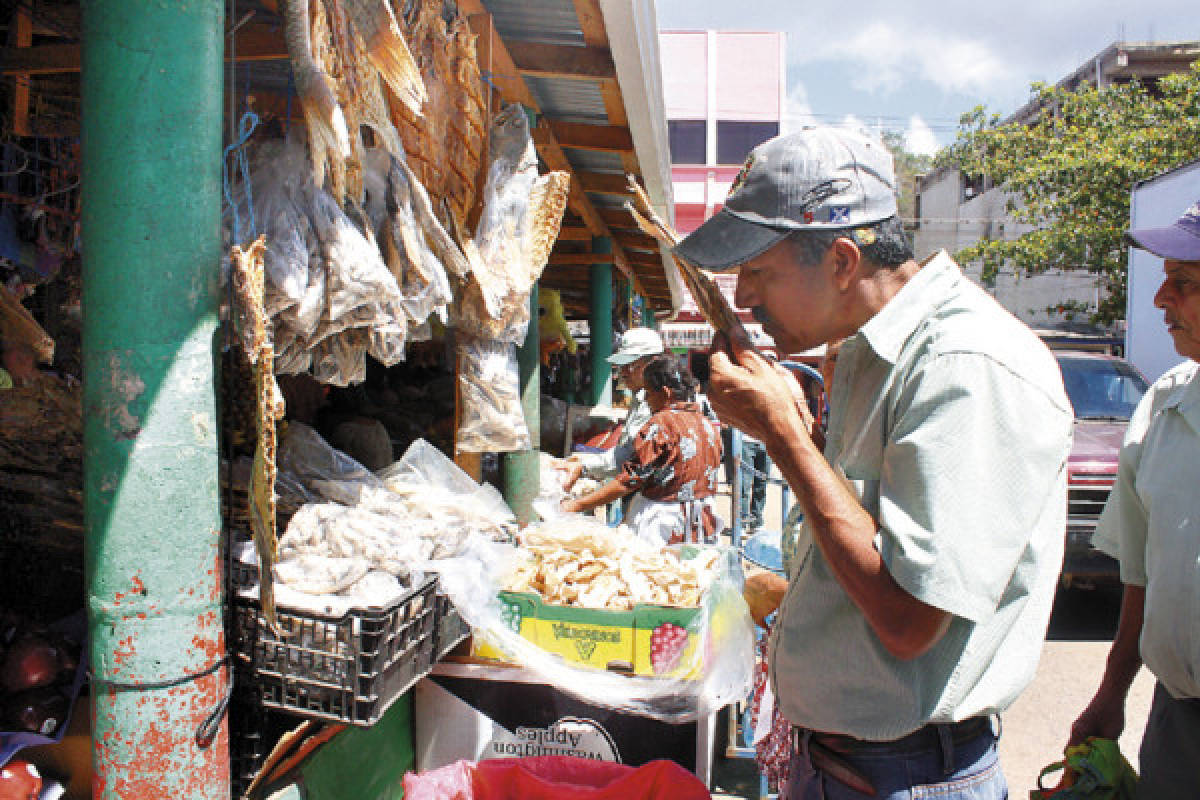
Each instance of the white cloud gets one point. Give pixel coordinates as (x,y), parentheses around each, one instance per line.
(887,55)
(797,112)
(852,123)
(919,137)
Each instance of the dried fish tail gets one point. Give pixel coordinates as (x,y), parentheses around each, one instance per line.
(387,50)
(322,115)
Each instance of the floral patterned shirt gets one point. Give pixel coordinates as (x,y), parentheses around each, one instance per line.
(676,456)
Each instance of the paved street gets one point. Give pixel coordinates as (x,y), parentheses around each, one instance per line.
(1036,727)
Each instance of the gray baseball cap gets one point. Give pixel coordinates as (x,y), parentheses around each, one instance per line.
(813,179)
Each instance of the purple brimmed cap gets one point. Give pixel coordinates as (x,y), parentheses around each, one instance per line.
(813,179)
(1179,241)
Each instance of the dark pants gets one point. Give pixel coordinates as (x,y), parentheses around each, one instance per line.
(934,767)
(1169,760)
(754,488)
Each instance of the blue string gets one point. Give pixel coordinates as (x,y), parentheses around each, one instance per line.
(237,149)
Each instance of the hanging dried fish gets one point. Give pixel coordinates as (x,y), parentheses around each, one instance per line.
(374,21)
(322,115)
(248,284)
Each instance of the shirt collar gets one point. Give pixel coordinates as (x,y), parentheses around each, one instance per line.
(1185,398)
(888,330)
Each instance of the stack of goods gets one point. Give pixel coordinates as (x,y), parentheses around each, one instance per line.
(358,539)
(600,597)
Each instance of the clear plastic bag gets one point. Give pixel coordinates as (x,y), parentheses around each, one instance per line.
(493,419)
(723,656)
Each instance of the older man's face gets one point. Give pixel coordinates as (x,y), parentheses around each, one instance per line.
(1179,298)
(793,301)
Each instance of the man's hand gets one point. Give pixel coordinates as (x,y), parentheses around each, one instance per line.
(569,473)
(1104,717)
(751,394)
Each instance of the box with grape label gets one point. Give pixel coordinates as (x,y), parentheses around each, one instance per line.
(662,644)
(519,612)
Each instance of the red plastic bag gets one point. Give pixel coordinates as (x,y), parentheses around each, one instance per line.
(555,777)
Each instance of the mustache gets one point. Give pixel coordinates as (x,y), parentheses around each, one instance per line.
(760,315)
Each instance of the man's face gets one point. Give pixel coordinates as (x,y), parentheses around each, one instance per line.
(793,301)
(1179,298)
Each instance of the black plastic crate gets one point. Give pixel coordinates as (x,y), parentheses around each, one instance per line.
(345,669)
(451,627)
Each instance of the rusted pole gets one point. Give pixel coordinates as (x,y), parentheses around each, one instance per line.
(151,242)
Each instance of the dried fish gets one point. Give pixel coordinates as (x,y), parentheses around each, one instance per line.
(17,324)
(374,21)
(323,116)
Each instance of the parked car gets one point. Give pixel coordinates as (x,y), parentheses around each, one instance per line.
(1104,390)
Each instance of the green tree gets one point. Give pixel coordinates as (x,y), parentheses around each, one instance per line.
(1070,172)
(908,166)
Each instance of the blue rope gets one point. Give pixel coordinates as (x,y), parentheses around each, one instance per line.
(237,149)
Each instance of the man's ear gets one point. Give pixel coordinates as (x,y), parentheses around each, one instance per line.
(846,262)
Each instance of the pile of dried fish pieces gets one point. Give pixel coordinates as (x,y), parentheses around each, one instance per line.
(609,571)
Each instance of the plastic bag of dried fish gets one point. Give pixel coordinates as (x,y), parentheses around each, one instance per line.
(493,419)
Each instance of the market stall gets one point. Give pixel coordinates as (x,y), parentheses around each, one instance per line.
(398,182)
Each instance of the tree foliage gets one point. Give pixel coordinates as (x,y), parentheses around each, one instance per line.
(1070,172)
(907,166)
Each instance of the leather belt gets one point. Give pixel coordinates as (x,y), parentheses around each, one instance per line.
(926,736)
(826,750)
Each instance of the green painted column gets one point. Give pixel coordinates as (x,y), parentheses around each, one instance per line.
(600,324)
(522,469)
(648,320)
(152,98)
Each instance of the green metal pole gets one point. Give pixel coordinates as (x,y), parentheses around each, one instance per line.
(152,96)
(600,324)
(522,469)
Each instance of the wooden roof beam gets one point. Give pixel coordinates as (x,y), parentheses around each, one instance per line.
(605,183)
(563,61)
(601,138)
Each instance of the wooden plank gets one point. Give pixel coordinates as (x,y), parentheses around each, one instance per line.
(254,43)
(23,34)
(618,218)
(574,233)
(638,241)
(569,259)
(562,61)
(601,138)
(604,183)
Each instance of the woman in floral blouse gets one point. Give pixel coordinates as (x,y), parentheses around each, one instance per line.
(674,466)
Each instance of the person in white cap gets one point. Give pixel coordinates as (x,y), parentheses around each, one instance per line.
(1151,524)
(933,521)
(637,347)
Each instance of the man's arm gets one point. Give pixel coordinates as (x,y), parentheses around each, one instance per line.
(1105,714)
(749,394)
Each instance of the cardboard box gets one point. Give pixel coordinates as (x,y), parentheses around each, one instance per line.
(649,640)
(477,712)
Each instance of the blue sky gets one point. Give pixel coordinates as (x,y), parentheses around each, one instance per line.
(915,67)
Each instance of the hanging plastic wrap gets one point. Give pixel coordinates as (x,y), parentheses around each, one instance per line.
(522,212)
(492,418)
(718,657)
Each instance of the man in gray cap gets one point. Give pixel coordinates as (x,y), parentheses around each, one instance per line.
(638,346)
(1151,524)
(933,521)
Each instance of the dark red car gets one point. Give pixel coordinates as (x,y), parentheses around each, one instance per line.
(1104,390)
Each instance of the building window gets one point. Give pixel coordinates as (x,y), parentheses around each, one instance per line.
(735,140)
(688,141)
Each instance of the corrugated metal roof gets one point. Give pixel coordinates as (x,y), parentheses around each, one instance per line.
(550,21)
(569,100)
(593,161)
